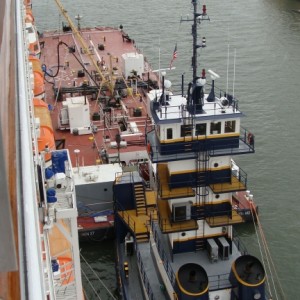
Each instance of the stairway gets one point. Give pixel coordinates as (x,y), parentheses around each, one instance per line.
(142,237)
(140,199)
(187,131)
(201,178)
(199,245)
(200,213)
(188,147)
(202,168)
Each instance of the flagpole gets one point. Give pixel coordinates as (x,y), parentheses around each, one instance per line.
(159,75)
(174,56)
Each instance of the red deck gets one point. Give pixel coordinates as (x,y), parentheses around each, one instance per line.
(245,206)
(90,145)
(90,223)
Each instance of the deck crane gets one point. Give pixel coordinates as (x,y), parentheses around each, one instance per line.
(86,49)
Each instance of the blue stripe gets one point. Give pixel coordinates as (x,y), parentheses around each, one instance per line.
(190,179)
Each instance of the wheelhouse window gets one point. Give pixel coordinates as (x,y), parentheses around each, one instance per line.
(230,126)
(186,130)
(215,128)
(169,133)
(200,129)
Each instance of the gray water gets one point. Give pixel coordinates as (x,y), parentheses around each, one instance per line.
(265,34)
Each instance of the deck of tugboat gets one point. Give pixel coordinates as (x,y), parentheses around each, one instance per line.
(217,272)
(78,76)
(174,108)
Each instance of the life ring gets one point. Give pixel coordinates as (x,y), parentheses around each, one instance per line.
(250,138)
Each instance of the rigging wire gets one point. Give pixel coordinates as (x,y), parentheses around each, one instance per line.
(260,250)
(85,295)
(89,282)
(276,273)
(267,255)
(267,258)
(106,288)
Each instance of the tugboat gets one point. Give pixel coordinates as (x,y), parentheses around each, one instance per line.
(175,240)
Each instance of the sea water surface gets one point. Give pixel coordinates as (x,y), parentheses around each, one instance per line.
(262,38)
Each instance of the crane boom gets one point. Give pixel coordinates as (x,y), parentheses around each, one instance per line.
(82,42)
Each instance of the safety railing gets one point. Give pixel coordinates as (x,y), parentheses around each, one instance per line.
(238,243)
(162,254)
(237,181)
(246,144)
(168,225)
(220,281)
(160,152)
(144,277)
(126,217)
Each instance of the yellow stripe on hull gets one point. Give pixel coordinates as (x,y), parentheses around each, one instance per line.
(199,138)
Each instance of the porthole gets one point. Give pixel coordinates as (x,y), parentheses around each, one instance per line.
(216,165)
(217,196)
(183,234)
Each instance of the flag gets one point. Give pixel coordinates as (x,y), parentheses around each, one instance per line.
(174,56)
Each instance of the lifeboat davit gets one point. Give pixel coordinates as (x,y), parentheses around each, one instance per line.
(45,136)
(39,85)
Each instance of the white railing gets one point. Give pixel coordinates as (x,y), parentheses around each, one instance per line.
(34,279)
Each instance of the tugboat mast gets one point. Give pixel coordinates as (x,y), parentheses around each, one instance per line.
(194,34)
(197,19)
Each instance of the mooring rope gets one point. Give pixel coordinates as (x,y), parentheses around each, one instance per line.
(268,257)
(269,254)
(259,246)
(106,288)
(98,296)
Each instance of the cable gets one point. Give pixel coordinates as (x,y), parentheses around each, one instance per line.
(268,256)
(90,285)
(44,67)
(260,250)
(98,277)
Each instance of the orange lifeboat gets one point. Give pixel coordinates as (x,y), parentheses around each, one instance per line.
(29,18)
(39,85)
(66,269)
(46,136)
(27,3)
